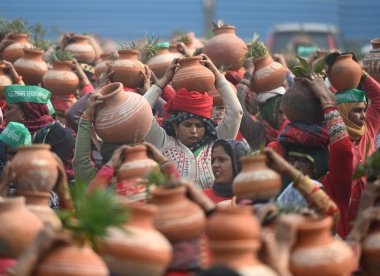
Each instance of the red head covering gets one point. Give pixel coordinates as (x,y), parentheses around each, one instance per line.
(36,116)
(62,103)
(191,102)
(234,76)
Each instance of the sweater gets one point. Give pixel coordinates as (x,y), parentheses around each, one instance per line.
(372,121)
(196,168)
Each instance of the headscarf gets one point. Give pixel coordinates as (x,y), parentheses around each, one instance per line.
(62,103)
(190,105)
(234,76)
(33,101)
(269,113)
(304,134)
(235,150)
(179,117)
(345,102)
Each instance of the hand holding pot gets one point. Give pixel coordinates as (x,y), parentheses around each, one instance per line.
(155,153)
(210,65)
(183,49)
(92,103)
(320,91)
(16,78)
(104,78)
(164,81)
(83,79)
(117,157)
(147,75)
(249,66)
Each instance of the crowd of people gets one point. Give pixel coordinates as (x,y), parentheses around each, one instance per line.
(202,143)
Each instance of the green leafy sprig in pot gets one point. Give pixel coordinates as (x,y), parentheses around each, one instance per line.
(218,24)
(132,45)
(370,167)
(150,48)
(154,178)
(305,69)
(94,212)
(256,48)
(18,26)
(61,55)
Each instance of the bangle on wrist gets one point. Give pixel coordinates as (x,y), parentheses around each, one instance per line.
(162,89)
(84,116)
(364,76)
(17,79)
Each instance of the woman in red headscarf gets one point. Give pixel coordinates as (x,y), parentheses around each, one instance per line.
(188,133)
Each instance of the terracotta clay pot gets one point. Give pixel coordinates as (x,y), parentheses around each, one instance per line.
(160,63)
(4,80)
(128,69)
(38,204)
(345,73)
(19,227)
(300,105)
(71,260)
(217,98)
(101,66)
(123,117)
(136,163)
(81,49)
(256,180)
(138,250)
(34,169)
(225,48)
(316,252)
(371,61)
(234,240)
(178,218)
(15,50)
(31,66)
(268,74)
(193,76)
(371,250)
(61,80)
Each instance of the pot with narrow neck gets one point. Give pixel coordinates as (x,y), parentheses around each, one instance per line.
(15,50)
(31,66)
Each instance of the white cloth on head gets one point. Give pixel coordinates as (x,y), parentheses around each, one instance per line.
(264,96)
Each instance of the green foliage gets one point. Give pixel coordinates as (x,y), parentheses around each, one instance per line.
(17,26)
(256,48)
(219,24)
(150,48)
(305,69)
(223,69)
(94,212)
(38,33)
(61,55)
(132,45)
(370,167)
(154,178)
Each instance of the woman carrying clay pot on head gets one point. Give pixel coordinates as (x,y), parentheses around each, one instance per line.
(265,130)
(29,105)
(188,134)
(361,117)
(323,153)
(225,166)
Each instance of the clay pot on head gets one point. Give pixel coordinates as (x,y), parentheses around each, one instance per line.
(128,69)
(371,61)
(178,218)
(316,252)
(101,66)
(268,74)
(369,261)
(31,66)
(34,169)
(131,173)
(81,49)
(256,180)
(38,204)
(300,105)
(160,63)
(193,76)
(4,80)
(70,260)
(19,227)
(61,80)
(217,98)
(15,50)
(138,248)
(234,240)
(345,73)
(123,117)
(225,48)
